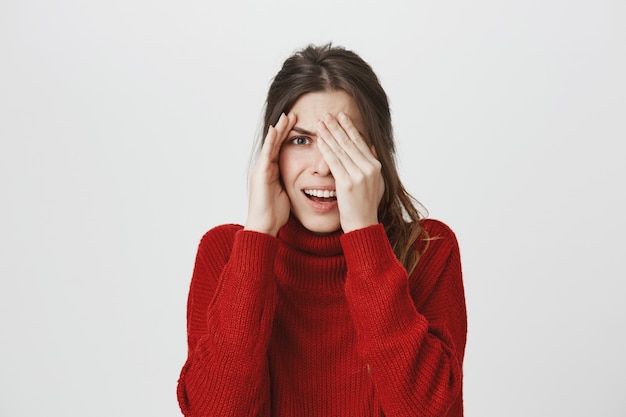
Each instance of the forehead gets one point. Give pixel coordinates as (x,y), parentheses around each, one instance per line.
(310,107)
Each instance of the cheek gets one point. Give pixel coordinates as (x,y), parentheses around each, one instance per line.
(293,164)
(286,168)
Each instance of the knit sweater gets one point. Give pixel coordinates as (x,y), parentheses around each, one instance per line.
(306,325)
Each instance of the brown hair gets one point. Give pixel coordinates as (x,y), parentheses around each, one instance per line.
(327,68)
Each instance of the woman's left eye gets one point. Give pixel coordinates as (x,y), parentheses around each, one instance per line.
(299,140)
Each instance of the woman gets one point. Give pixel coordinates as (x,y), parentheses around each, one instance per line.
(335,298)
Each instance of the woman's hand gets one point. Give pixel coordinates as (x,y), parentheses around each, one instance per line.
(357,172)
(268,205)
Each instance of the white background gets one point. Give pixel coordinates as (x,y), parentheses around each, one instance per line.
(126,129)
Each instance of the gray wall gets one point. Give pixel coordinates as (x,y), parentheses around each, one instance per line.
(126,128)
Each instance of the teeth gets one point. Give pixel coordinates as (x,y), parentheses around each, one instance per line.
(321,193)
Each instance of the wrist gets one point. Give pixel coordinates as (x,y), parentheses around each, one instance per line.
(268,230)
(350,226)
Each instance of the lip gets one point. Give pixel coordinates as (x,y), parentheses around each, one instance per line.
(319,187)
(317,206)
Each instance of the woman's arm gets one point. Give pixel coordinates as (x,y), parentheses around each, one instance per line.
(233,297)
(411,331)
(229,321)
(412,337)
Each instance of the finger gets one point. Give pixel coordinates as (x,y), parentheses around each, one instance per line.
(339,133)
(349,138)
(348,153)
(354,134)
(276,135)
(333,144)
(335,164)
(287,124)
(283,127)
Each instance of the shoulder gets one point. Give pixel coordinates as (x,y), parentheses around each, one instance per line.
(438,232)
(219,239)
(438,244)
(439,259)
(437,227)
(223,231)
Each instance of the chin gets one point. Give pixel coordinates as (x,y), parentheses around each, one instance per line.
(320,225)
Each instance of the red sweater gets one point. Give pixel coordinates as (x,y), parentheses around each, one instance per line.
(305,325)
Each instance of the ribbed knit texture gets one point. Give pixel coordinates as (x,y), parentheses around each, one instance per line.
(305,325)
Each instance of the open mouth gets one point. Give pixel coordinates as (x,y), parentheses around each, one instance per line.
(321,196)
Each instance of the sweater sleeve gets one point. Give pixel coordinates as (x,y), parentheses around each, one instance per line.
(230,311)
(411,330)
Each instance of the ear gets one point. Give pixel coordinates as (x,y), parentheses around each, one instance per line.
(373,149)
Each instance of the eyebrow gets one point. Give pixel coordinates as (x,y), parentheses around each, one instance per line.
(303,131)
(307,133)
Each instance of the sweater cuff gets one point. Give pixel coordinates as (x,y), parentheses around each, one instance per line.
(365,248)
(254,251)
(377,290)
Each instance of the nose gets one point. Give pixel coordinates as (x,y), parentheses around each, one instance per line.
(320,167)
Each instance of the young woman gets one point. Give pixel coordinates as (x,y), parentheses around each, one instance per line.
(335,298)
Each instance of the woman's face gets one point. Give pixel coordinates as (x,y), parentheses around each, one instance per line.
(307,179)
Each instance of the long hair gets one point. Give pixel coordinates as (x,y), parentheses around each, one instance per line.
(329,68)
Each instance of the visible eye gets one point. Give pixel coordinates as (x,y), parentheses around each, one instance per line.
(300,140)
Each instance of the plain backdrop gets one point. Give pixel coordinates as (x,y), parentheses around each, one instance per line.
(126,129)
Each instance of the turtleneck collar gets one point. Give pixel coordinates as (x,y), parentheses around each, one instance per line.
(297,237)
(308,261)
